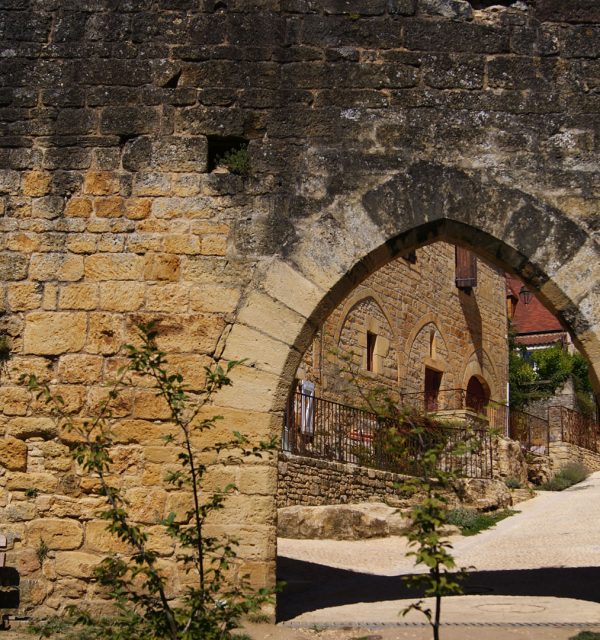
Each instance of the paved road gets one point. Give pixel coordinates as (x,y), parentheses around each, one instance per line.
(551,548)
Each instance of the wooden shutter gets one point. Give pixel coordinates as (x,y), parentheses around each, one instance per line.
(466,269)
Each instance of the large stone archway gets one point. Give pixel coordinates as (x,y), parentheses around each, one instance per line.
(372,127)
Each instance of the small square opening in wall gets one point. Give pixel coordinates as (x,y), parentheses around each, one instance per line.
(229,153)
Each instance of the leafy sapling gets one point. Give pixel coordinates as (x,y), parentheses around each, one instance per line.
(213,604)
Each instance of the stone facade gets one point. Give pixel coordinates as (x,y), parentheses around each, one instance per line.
(420,319)
(373,127)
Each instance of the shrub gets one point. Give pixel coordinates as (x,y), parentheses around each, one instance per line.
(586,635)
(566,477)
(471,522)
(236,161)
(512,483)
(212,604)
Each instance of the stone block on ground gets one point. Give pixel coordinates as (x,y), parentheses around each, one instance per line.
(341,522)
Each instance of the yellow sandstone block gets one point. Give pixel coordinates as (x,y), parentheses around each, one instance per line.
(36,183)
(52,333)
(100,183)
(24,297)
(78,296)
(78,208)
(121,296)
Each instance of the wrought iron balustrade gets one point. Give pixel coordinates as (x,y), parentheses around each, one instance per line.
(319,428)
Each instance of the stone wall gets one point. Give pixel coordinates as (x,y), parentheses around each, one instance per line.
(312,482)
(563,453)
(425,320)
(373,127)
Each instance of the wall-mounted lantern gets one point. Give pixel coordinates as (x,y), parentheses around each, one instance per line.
(525,295)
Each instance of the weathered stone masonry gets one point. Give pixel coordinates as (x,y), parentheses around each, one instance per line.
(374,126)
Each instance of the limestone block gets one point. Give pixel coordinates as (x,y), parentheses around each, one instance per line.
(147,404)
(246,510)
(13,454)
(168,298)
(105,333)
(24,428)
(261,479)
(57,533)
(112,207)
(340,522)
(197,333)
(101,183)
(53,333)
(146,505)
(214,244)
(253,390)
(36,183)
(42,482)
(78,296)
(219,476)
(98,538)
(82,508)
(14,400)
(76,564)
(56,266)
(80,368)
(273,318)
(179,503)
(24,560)
(260,351)
(114,266)
(167,453)
(57,457)
(191,367)
(140,432)
(121,296)
(24,297)
(182,244)
(161,266)
(79,208)
(138,208)
(287,285)
(18,511)
(160,541)
(214,299)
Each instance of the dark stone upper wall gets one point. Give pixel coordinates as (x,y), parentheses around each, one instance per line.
(335,97)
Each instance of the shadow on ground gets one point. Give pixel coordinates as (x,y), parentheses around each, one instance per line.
(312,586)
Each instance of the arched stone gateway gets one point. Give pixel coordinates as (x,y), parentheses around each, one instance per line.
(371,127)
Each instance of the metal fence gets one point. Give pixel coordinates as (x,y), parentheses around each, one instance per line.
(578,429)
(531,431)
(328,430)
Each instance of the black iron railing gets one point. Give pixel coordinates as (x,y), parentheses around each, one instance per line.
(578,429)
(531,431)
(327,430)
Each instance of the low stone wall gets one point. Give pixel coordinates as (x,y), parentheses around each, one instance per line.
(562,453)
(311,482)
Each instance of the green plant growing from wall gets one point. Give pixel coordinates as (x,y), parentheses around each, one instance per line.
(237,161)
(213,605)
(41,551)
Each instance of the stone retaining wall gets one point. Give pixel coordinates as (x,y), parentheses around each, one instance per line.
(562,453)
(311,482)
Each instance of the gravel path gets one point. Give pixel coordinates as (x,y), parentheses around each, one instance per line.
(554,529)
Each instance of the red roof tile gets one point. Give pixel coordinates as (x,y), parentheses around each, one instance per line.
(532,317)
